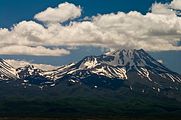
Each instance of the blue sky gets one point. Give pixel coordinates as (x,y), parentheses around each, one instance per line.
(14,11)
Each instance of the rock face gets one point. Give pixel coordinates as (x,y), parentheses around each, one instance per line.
(7,72)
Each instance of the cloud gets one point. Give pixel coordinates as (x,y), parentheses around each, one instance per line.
(152,32)
(176,4)
(28,38)
(159,8)
(168,8)
(65,11)
(22,63)
(158,30)
(37,51)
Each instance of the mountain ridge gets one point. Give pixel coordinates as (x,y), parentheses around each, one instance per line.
(131,66)
(7,71)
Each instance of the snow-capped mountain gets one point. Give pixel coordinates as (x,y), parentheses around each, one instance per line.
(118,63)
(7,72)
(27,71)
(133,67)
(32,75)
(128,78)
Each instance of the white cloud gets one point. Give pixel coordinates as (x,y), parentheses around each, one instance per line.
(156,31)
(65,11)
(176,4)
(159,8)
(23,36)
(22,63)
(168,8)
(151,32)
(37,51)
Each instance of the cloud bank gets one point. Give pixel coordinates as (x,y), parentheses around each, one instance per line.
(158,30)
(37,51)
(22,63)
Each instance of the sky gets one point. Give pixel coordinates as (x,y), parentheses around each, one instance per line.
(58,32)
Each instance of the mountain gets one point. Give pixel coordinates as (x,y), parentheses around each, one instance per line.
(130,70)
(135,68)
(130,66)
(119,83)
(32,75)
(7,72)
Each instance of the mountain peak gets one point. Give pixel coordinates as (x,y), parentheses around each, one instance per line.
(118,63)
(124,57)
(129,58)
(132,57)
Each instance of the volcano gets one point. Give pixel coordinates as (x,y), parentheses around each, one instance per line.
(126,82)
